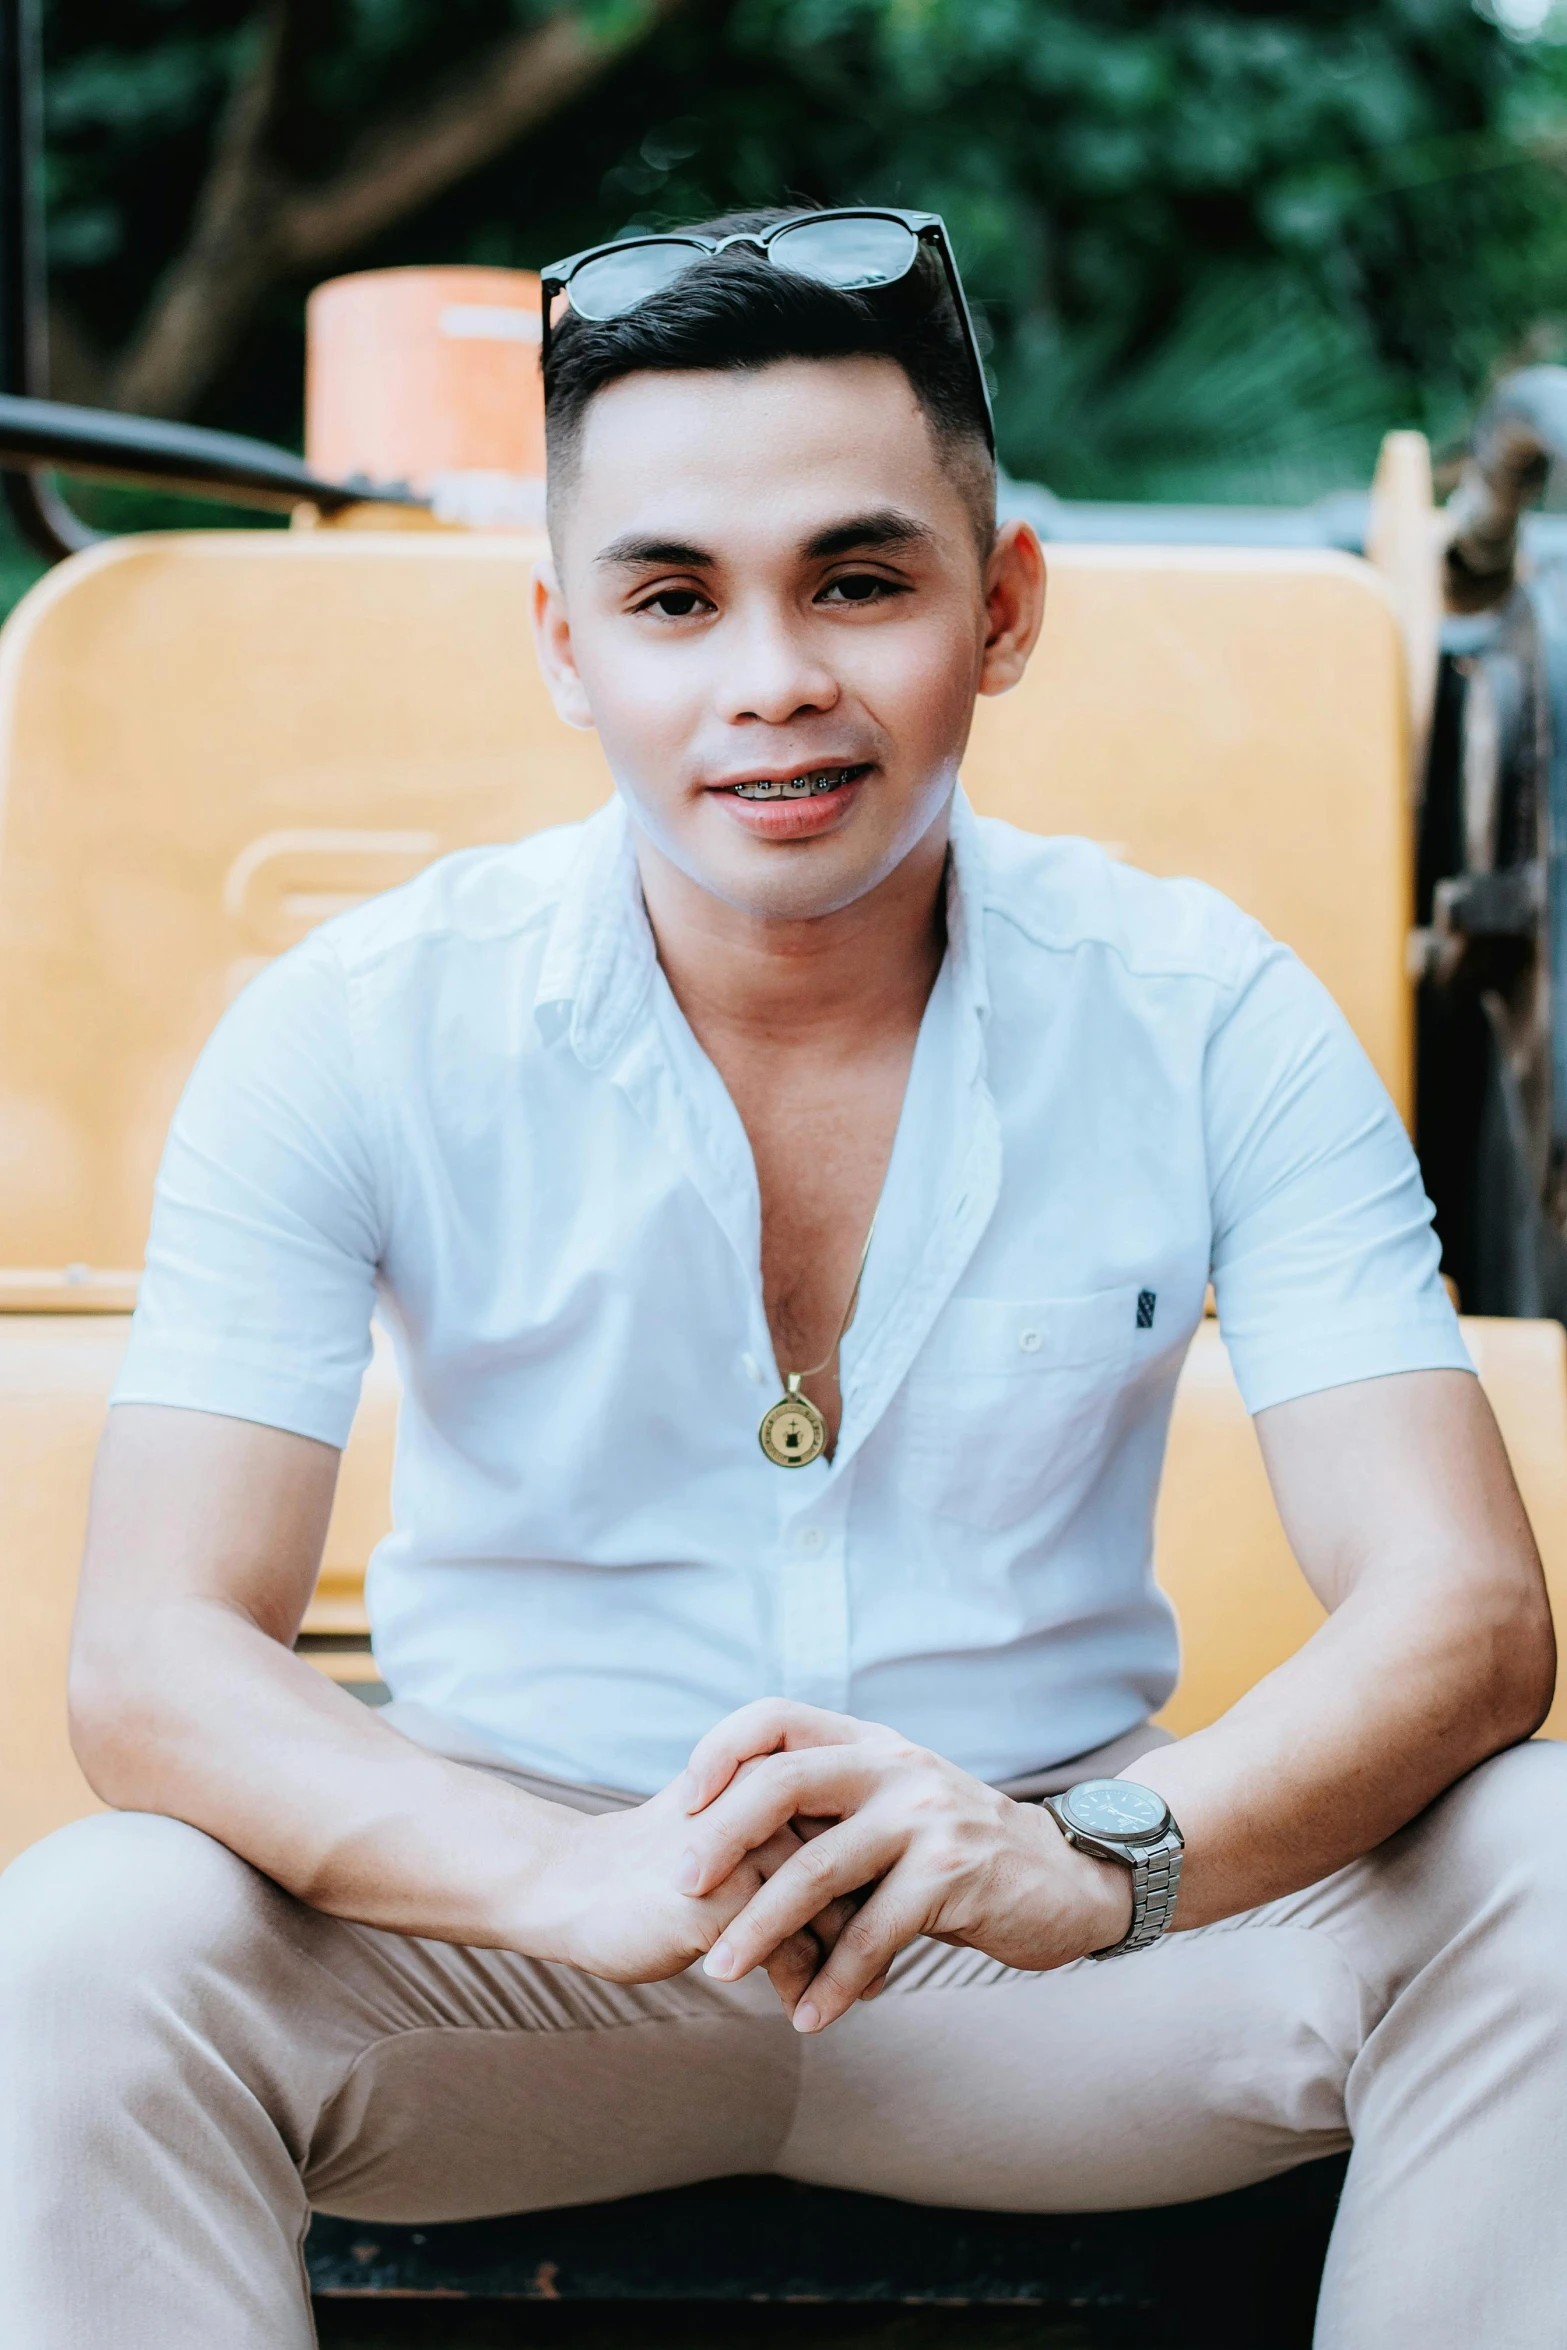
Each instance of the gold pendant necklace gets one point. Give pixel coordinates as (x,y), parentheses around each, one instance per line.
(793,1432)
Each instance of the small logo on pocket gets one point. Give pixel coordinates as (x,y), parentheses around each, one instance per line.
(1147,1299)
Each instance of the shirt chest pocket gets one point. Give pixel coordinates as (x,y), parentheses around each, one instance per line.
(1009,1405)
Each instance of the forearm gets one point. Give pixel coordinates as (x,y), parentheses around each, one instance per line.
(1341,1746)
(197,1713)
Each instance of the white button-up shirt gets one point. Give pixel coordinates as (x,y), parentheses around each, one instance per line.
(477,1101)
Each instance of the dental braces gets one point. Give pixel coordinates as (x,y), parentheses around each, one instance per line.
(795,787)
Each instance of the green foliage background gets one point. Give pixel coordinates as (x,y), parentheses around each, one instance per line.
(1218,249)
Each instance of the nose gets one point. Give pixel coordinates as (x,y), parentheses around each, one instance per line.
(770,672)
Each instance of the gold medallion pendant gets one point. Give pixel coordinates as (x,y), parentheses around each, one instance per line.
(793,1433)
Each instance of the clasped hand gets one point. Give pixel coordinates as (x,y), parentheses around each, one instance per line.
(818,1846)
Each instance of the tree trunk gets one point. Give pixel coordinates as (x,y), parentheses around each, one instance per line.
(254,227)
(210,291)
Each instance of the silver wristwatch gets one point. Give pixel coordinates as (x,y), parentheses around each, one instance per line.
(1115,1819)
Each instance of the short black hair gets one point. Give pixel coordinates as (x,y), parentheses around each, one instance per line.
(737,310)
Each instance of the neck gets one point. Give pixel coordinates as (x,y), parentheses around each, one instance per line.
(829,983)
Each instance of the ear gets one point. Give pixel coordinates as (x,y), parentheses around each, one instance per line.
(552,637)
(1014,606)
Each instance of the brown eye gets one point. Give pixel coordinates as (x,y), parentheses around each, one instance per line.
(861,587)
(675,603)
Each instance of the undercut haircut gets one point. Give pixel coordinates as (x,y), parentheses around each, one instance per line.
(738,311)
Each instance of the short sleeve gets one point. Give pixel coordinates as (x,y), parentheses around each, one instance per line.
(261,1264)
(1324,1262)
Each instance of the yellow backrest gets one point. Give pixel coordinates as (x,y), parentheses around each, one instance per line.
(55,1374)
(209,741)
(1221,1552)
(1239,716)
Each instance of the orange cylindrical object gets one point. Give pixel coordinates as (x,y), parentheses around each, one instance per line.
(413,375)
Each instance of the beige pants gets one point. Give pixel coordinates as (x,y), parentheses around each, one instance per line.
(189,2059)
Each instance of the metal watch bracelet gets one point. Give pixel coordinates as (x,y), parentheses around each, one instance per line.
(1156,1880)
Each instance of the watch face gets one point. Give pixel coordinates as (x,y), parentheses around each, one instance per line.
(1116,1808)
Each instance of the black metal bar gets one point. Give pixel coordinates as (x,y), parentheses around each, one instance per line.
(42,516)
(102,445)
(22,361)
(1548,597)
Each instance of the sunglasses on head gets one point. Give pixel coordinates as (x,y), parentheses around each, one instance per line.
(855,250)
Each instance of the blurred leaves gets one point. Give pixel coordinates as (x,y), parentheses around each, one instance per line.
(1258,394)
(1217,249)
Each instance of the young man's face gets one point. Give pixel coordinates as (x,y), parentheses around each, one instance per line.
(767,576)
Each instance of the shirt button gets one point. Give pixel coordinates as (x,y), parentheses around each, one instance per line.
(752,1369)
(1029,1341)
(810,1538)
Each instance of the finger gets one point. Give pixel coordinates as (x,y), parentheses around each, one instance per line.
(861,1957)
(880,1984)
(831,1869)
(711,1915)
(796,1961)
(829,1923)
(771,1725)
(828,1779)
(792,1967)
(770,1857)
(671,1797)
(726,1901)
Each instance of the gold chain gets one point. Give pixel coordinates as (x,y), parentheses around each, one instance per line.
(792,1379)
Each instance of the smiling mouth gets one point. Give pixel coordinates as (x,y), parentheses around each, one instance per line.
(799,787)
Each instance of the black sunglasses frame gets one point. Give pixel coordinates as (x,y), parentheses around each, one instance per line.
(928,227)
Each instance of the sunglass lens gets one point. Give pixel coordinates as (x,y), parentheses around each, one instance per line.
(847,253)
(618,281)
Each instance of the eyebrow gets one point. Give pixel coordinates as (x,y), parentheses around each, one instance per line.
(635,553)
(886,527)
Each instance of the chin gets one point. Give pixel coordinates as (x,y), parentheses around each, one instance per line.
(798,883)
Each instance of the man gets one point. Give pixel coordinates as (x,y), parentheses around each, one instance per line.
(784,1093)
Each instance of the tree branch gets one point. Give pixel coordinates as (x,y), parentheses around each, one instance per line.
(408,160)
(254,227)
(77,365)
(232,256)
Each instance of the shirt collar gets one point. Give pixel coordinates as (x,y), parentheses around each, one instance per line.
(966,891)
(600,959)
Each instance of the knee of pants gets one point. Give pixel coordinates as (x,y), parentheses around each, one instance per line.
(110,1921)
(1486,1854)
